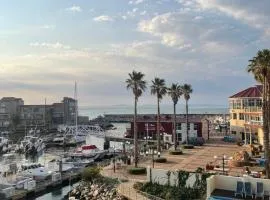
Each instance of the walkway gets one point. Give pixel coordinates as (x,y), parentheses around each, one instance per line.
(126,188)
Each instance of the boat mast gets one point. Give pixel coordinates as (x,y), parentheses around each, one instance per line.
(76,107)
(44,115)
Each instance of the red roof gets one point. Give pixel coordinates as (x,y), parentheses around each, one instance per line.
(255,91)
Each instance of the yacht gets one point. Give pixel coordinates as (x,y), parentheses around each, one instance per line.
(77,162)
(31,143)
(35,171)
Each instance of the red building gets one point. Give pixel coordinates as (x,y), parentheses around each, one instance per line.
(148,127)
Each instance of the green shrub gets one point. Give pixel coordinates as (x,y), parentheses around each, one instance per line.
(188,146)
(160,160)
(90,173)
(138,170)
(176,152)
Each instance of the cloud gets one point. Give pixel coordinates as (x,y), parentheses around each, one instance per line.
(252,13)
(136,2)
(47,26)
(74,9)
(103,18)
(56,45)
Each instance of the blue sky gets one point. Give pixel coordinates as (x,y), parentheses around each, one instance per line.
(46,45)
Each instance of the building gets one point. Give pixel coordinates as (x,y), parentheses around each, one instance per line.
(9,110)
(147,127)
(246,114)
(34,115)
(69,110)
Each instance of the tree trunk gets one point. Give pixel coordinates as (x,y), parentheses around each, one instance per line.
(187,119)
(158,126)
(136,158)
(266,126)
(174,127)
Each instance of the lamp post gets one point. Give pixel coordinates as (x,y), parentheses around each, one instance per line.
(153,153)
(223,158)
(114,159)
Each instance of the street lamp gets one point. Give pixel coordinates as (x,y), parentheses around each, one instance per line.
(224,157)
(114,159)
(153,153)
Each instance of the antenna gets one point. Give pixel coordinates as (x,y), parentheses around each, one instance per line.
(45,115)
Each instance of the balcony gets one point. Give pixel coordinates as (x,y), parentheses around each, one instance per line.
(254,123)
(252,109)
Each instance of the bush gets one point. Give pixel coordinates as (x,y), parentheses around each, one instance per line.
(160,160)
(138,170)
(188,146)
(90,173)
(196,141)
(176,152)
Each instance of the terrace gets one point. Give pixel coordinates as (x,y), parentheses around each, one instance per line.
(224,187)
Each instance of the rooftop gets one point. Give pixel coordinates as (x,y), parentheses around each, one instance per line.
(251,92)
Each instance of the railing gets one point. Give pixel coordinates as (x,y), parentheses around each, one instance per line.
(253,109)
(256,123)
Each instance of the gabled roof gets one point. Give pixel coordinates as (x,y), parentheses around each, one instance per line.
(255,91)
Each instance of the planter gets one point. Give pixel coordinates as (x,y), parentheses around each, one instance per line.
(160,160)
(138,170)
(176,152)
(188,146)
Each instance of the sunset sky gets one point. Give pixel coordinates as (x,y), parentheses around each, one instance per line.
(47,45)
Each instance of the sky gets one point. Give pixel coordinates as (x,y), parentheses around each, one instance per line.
(45,46)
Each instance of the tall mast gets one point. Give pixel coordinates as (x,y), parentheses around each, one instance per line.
(76,107)
(44,115)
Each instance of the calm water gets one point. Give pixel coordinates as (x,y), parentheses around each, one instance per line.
(93,112)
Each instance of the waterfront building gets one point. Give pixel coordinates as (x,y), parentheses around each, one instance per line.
(9,109)
(147,127)
(246,114)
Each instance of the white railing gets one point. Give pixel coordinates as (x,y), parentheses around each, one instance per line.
(253,109)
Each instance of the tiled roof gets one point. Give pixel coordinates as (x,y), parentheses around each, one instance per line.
(255,91)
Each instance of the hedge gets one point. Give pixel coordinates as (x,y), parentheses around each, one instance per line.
(160,160)
(138,170)
(188,146)
(176,152)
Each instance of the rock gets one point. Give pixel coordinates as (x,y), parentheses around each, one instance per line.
(95,193)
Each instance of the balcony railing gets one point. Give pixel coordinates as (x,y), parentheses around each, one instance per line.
(253,109)
(253,122)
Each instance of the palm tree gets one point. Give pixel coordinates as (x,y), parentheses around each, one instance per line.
(259,66)
(174,92)
(186,90)
(159,89)
(136,83)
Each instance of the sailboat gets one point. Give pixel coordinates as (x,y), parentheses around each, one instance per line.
(79,137)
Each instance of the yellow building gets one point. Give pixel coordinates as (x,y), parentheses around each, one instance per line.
(246,115)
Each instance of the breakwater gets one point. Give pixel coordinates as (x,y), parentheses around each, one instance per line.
(125,118)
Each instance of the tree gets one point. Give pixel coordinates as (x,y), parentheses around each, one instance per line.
(159,89)
(259,66)
(136,83)
(186,90)
(174,92)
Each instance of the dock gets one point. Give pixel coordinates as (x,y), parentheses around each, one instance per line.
(131,140)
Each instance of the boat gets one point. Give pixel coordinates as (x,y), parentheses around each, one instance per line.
(77,162)
(35,171)
(31,144)
(4,143)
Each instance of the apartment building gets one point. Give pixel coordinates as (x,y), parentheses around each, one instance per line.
(246,114)
(9,108)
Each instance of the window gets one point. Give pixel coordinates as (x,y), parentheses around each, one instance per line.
(179,136)
(251,102)
(188,126)
(259,103)
(234,132)
(195,126)
(234,116)
(241,116)
(179,126)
